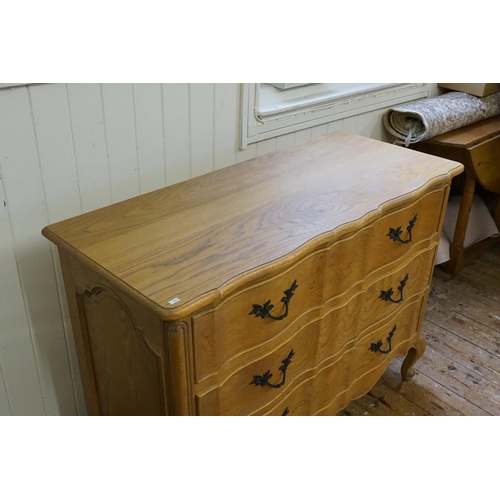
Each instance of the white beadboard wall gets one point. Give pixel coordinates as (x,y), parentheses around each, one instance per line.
(66,149)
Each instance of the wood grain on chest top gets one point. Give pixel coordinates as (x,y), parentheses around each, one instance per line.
(193,240)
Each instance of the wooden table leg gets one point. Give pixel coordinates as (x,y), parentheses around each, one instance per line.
(457,250)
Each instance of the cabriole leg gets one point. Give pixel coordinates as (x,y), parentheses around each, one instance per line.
(412,356)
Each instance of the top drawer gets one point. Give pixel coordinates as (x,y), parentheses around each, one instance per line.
(362,255)
(395,234)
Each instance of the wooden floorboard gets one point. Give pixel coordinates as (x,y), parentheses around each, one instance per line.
(459,373)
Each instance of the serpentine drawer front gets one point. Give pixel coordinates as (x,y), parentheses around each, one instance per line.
(350,370)
(283,285)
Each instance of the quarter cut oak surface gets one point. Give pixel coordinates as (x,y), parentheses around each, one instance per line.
(194,240)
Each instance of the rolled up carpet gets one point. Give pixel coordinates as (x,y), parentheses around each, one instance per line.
(426,118)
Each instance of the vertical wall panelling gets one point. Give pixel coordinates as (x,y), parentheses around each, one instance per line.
(21,394)
(370,124)
(333,126)
(176,130)
(319,130)
(246,154)
(5,410)
(55,149)
(119,126)
(201,114)
(267,146)
(303,135)
(51,119)
(284,141)
(149,130)
(226,108)
(349,124)
(24,195)
(87,122)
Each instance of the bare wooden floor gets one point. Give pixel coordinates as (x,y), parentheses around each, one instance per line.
(459,373)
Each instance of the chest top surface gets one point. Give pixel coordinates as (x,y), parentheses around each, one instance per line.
(190,243)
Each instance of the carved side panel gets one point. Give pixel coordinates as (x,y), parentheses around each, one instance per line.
(127,371)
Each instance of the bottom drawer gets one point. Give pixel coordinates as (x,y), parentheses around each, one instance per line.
(379,345)
(324,386)
(297,403)
(375,350)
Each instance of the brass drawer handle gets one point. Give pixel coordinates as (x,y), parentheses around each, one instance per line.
(395,234)
(262,380)
(286,412)
(264,310)
(387,294)
(376,347)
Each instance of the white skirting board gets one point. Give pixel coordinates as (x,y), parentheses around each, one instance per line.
(481,225)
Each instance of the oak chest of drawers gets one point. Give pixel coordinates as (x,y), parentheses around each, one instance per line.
(281,285)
